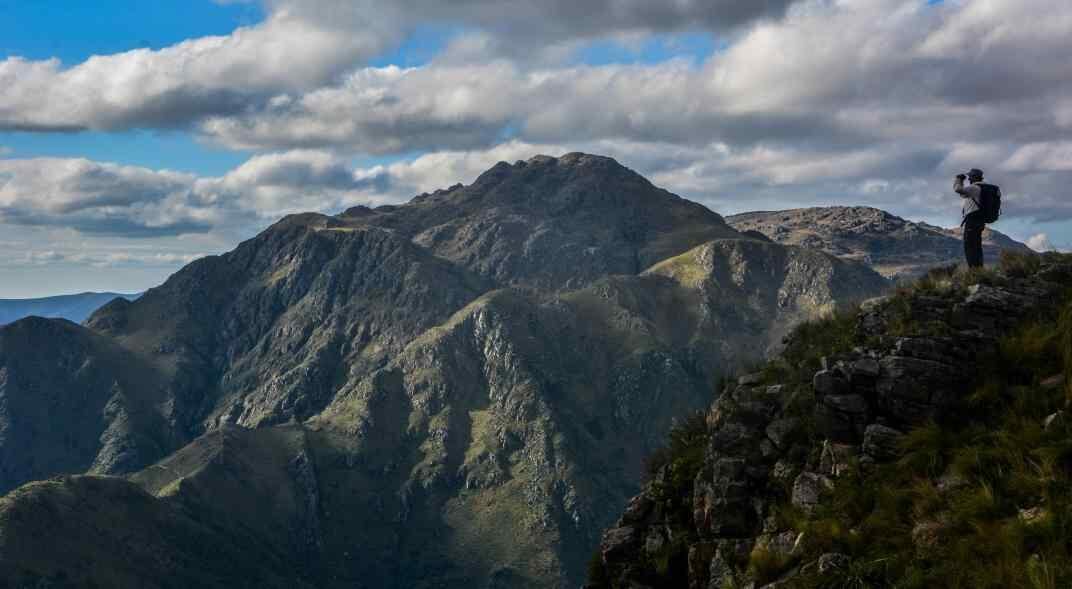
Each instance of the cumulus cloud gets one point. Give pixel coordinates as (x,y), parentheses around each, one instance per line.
(831,75)
(304,44)
(97,197)
(1040,242)
(109,199)
(174,86)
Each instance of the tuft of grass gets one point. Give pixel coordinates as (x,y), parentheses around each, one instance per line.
(765,566)
(810,342)
(684,452)
(1019,264)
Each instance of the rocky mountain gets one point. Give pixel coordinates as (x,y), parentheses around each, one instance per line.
(921,441)
(455,392)
(76,308)
(894,247)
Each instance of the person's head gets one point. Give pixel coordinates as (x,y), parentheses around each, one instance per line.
(975,175)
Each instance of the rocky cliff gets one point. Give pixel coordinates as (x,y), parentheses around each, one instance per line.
(894,247)
(456,392)
(920,441)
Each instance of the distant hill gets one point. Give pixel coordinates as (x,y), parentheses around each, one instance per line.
(897,248)
(76,307)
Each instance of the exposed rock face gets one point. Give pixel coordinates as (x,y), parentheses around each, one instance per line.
(859,404)
(456,392)
(894,247)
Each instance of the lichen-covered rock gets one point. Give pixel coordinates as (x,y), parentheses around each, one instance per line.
(808,490)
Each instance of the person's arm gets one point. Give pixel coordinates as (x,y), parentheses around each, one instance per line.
(958,187)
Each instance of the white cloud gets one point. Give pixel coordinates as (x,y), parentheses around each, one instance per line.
(1041,243)
(97,259)
(109,199)
(179,84)
(304,44)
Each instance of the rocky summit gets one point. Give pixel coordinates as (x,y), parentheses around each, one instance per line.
(918,441)
(896,248)
(455,392)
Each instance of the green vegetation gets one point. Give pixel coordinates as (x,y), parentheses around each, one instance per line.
(684,455)
(671,471)
(982,498)
(810,342)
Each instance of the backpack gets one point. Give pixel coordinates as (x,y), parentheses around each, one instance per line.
(989,202)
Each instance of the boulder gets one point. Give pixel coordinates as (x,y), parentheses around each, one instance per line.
(829,382)
(783,431)
(843,418)
(638,509)
(881,442)
(808,490)
(832,562)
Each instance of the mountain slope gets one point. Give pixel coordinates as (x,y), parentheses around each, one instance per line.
(218,514)
(76,308)
(73,401)
(921,441)
(455,392)
(894,247)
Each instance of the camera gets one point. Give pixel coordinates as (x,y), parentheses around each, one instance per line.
(962,176)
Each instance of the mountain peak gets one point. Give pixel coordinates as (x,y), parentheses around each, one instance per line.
(574,162)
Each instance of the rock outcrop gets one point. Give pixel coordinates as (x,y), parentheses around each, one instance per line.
(780,442)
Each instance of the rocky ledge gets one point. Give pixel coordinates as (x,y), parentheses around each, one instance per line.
(777,442)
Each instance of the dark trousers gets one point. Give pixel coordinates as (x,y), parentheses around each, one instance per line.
(973,239)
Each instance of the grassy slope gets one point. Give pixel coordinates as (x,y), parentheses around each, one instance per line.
(980,498)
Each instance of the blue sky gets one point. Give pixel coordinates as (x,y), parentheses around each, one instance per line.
(137,136)
(74,31)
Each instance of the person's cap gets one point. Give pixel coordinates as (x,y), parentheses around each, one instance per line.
(975,174)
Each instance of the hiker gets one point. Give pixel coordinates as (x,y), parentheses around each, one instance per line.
(982,205)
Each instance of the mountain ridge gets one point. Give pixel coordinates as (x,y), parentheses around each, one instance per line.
(470,382)
(895,247)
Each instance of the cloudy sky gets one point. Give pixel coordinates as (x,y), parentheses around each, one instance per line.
(136,136)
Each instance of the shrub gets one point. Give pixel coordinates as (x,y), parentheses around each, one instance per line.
(1019,264)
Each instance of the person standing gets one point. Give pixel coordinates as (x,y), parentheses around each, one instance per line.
(982,204)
